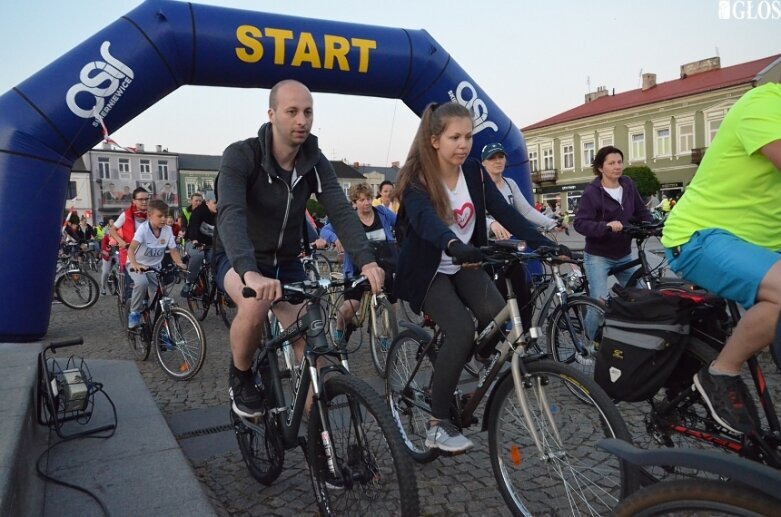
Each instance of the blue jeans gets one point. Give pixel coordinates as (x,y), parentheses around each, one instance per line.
(597,273)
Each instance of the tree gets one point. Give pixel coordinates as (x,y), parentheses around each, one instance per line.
(644,178)
(315,208)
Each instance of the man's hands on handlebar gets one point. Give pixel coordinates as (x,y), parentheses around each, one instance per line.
(265,288)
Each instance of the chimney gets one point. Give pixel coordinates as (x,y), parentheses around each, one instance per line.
(698,67)
(140,148)
(601,92)
(649,81)
(396,165)
(158,148)
(356,165)
(106,146)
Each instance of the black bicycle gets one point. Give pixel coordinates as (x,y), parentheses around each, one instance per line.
(205,293)
(173,331)
(543,418)
(356,459)
(743,488)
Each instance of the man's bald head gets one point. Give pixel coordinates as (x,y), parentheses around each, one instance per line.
(283,85)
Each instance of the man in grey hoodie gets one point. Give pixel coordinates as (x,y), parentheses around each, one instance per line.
(262,189)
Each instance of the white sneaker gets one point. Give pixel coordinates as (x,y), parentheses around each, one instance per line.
(444,435)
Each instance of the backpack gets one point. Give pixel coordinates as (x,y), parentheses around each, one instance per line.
(645,333)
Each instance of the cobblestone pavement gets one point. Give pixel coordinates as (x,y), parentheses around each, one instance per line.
(461,485)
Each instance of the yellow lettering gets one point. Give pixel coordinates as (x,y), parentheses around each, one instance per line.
(336,49)
(365,45)
(247,34)
(306,52)
(279,35)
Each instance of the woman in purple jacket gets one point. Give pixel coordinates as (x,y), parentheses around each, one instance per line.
(608,203)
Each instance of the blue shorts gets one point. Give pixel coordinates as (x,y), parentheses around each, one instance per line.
(287,273)
(724,264)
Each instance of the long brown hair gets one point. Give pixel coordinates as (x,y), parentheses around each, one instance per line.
(422,166)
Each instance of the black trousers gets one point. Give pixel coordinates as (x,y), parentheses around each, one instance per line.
(446,302)
(519,278)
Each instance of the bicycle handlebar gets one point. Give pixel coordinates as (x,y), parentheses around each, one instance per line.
(65,343)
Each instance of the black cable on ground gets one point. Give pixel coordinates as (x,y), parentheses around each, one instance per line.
(97,387)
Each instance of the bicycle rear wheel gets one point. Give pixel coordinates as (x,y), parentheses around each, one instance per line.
(702,497)
(410,406)
(200,297)
(374,475)
(569,475)
(77,290)
(382,332)
(323,266)
(179,343)
(577,322)
(112,282)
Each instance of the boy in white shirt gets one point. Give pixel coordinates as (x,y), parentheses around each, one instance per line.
(146,251)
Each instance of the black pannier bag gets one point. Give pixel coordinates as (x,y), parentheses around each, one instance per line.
(644,335)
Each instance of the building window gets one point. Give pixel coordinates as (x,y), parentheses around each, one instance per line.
(104,172)
(605,141)
(588,153)
(191,188)
(568,156)
(662,142)
(207,185)
(637,146)
(713,128)
(534,161)
(162,170)
(685,137)
(547,159)
(72,192)
(124,169)
(145,169)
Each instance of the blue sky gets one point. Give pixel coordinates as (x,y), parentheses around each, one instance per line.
(532,58)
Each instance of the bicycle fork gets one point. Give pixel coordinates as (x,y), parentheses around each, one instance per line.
(539,391)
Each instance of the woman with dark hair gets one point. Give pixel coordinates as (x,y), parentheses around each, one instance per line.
(444,199)
(608,203)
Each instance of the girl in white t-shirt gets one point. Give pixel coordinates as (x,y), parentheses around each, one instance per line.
(146,251)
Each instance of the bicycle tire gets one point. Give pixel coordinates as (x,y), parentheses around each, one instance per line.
(534,482)
(377,475)
(263,452)
(579,310)
(138,339)
(411,410)
(382,331)
(187,346)
(199,298)
(112,283)
(227,309)
(413,317)
(310,271)
(324,266)
(697,497)
(80,284)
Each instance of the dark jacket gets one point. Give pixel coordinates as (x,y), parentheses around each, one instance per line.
(597,208)
(201,226)
(427,236)
(260,217)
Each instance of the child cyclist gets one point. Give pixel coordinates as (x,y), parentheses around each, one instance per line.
(146,251)
(443,204)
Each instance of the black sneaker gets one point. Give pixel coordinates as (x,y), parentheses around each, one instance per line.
(725,397)
(246,397)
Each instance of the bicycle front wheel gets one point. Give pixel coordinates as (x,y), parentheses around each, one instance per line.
(373,475)
(409,396)
(574,329)
(383,331)
(179,343)
(228,309)
(567,474)
(77,290)
(697,497)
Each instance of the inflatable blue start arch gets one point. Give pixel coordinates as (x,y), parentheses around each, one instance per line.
(52,118)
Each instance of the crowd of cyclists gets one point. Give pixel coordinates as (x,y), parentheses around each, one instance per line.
(419,241)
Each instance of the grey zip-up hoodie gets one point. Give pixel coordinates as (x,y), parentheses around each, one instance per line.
(260,218)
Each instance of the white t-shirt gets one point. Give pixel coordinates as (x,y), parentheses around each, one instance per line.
(616,193)
(152,249)
(120,222)
(463,221)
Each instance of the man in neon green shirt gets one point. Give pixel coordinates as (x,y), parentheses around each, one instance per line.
(725,235)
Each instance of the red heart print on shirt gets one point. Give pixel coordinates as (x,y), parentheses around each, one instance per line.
(464,214)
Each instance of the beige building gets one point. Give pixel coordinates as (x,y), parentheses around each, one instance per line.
(666,126)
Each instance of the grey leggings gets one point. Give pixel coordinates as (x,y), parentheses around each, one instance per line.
(446,302)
